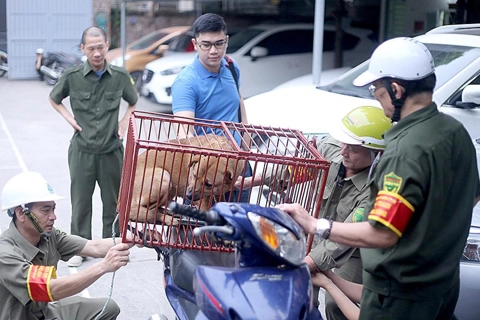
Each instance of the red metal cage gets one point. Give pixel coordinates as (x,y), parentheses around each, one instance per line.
(163,164)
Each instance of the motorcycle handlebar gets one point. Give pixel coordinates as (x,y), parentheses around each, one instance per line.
(211,217)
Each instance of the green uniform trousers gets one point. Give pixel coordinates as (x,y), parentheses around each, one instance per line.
(80,308)
(375,306)
(87,169)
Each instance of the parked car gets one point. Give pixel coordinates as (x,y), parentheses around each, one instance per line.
(267,55)
(314,110)
(151,47)
(326,77)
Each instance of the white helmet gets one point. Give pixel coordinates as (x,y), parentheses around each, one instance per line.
(400,58)
(27,187)
(40,51)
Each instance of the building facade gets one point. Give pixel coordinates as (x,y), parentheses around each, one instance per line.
(54,25)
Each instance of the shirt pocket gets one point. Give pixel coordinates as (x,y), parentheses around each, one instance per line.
(113,99)
(80,95)
(53,259)
(80,100)
(343,211)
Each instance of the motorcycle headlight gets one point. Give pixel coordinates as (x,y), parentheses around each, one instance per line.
(119,61)
(472,247)
(279,239)
(171,71)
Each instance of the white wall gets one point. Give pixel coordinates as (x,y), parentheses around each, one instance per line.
(54,25)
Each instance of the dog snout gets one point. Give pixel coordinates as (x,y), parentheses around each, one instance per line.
(191,195)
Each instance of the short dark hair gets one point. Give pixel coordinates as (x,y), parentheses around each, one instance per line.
(93,32)
(426,84)
(209,22)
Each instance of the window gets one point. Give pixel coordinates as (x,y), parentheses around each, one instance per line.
(148,40)
(449,60)
(238,40)
(288,42)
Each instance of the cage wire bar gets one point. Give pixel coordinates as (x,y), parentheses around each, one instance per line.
(162,165)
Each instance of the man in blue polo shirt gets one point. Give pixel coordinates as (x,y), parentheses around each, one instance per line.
(207,88)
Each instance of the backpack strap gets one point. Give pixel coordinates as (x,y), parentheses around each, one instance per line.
(231,66)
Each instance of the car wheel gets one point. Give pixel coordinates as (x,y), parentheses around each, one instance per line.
(137,78)
(2,63)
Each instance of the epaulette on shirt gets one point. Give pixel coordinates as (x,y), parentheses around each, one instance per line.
(120,69)
(74,69)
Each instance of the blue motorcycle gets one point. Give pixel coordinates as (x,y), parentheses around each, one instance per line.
(264,276)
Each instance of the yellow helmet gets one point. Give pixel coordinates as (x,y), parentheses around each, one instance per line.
(363,126)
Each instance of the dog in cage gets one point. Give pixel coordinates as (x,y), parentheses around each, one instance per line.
(162,176)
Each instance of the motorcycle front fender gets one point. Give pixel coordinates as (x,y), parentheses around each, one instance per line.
(255,293)
(182,301)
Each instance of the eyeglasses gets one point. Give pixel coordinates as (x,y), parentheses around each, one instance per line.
(373,88)
(205,46)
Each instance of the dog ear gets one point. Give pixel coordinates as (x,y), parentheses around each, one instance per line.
(228,177)
(234,169)
(195,159)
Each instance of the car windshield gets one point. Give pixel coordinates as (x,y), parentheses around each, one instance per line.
(449,60)
(147,41)
(240,38)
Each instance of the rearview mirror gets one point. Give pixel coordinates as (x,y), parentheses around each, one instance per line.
(470,97)
(258,52)
(161,49)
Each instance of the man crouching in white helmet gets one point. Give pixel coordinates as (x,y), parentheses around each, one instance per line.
(422,195)
(30,250)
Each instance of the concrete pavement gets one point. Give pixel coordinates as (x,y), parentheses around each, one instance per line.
(33,136)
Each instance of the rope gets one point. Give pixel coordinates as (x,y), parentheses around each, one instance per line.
(113,276)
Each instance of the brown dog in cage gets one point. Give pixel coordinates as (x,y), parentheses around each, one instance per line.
(163,175)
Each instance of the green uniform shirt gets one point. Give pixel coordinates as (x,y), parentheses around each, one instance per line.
(430,162)
(95,103)
(17,254)
(343,201)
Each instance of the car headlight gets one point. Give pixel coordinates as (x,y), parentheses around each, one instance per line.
(279,239)
(171,71)
(119,61)
(472,251)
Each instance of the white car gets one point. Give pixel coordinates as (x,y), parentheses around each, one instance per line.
(314,110)
(267,55)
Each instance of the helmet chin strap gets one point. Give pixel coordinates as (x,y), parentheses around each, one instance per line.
(398,102)
(32,218)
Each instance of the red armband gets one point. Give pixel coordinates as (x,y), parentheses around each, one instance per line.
(392,210)
(38,282)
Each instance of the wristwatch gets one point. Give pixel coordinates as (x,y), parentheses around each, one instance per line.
(323,228)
